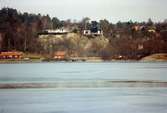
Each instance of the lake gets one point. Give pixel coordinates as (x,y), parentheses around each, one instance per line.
(115,87)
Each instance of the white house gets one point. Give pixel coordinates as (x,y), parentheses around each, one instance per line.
(55,31)
(59,31)
(89,32)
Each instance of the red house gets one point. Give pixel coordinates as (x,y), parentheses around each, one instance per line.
(11,55)
(60,55)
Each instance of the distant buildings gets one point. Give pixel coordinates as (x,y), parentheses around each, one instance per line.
(60,55)
(149,29)
(11,55)
(60,31)
(97,32)
(93,29)
(138,27)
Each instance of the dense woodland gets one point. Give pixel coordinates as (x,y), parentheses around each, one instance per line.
(19,31)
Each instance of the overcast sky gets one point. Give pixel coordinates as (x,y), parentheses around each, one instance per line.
(113,10)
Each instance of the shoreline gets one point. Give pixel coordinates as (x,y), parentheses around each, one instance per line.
(160,57)
(90,61)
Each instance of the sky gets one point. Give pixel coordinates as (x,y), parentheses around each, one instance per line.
(112,10)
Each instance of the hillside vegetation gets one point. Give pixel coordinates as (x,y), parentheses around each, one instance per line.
(75,45)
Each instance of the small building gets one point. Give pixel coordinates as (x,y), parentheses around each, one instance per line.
(11,55)
(93,33)
(93,29)
(60,55)
(61,31)
(87,32)
(138,27)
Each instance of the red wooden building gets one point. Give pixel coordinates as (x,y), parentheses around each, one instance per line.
(60,55)
(11,55)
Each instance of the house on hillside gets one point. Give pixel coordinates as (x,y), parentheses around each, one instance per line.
(61,31)
(138,27)
(93,30)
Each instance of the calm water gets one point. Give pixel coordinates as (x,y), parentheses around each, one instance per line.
(98,95)
(51,72)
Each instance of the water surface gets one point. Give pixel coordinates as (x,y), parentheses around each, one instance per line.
(84,88)
(51,72)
